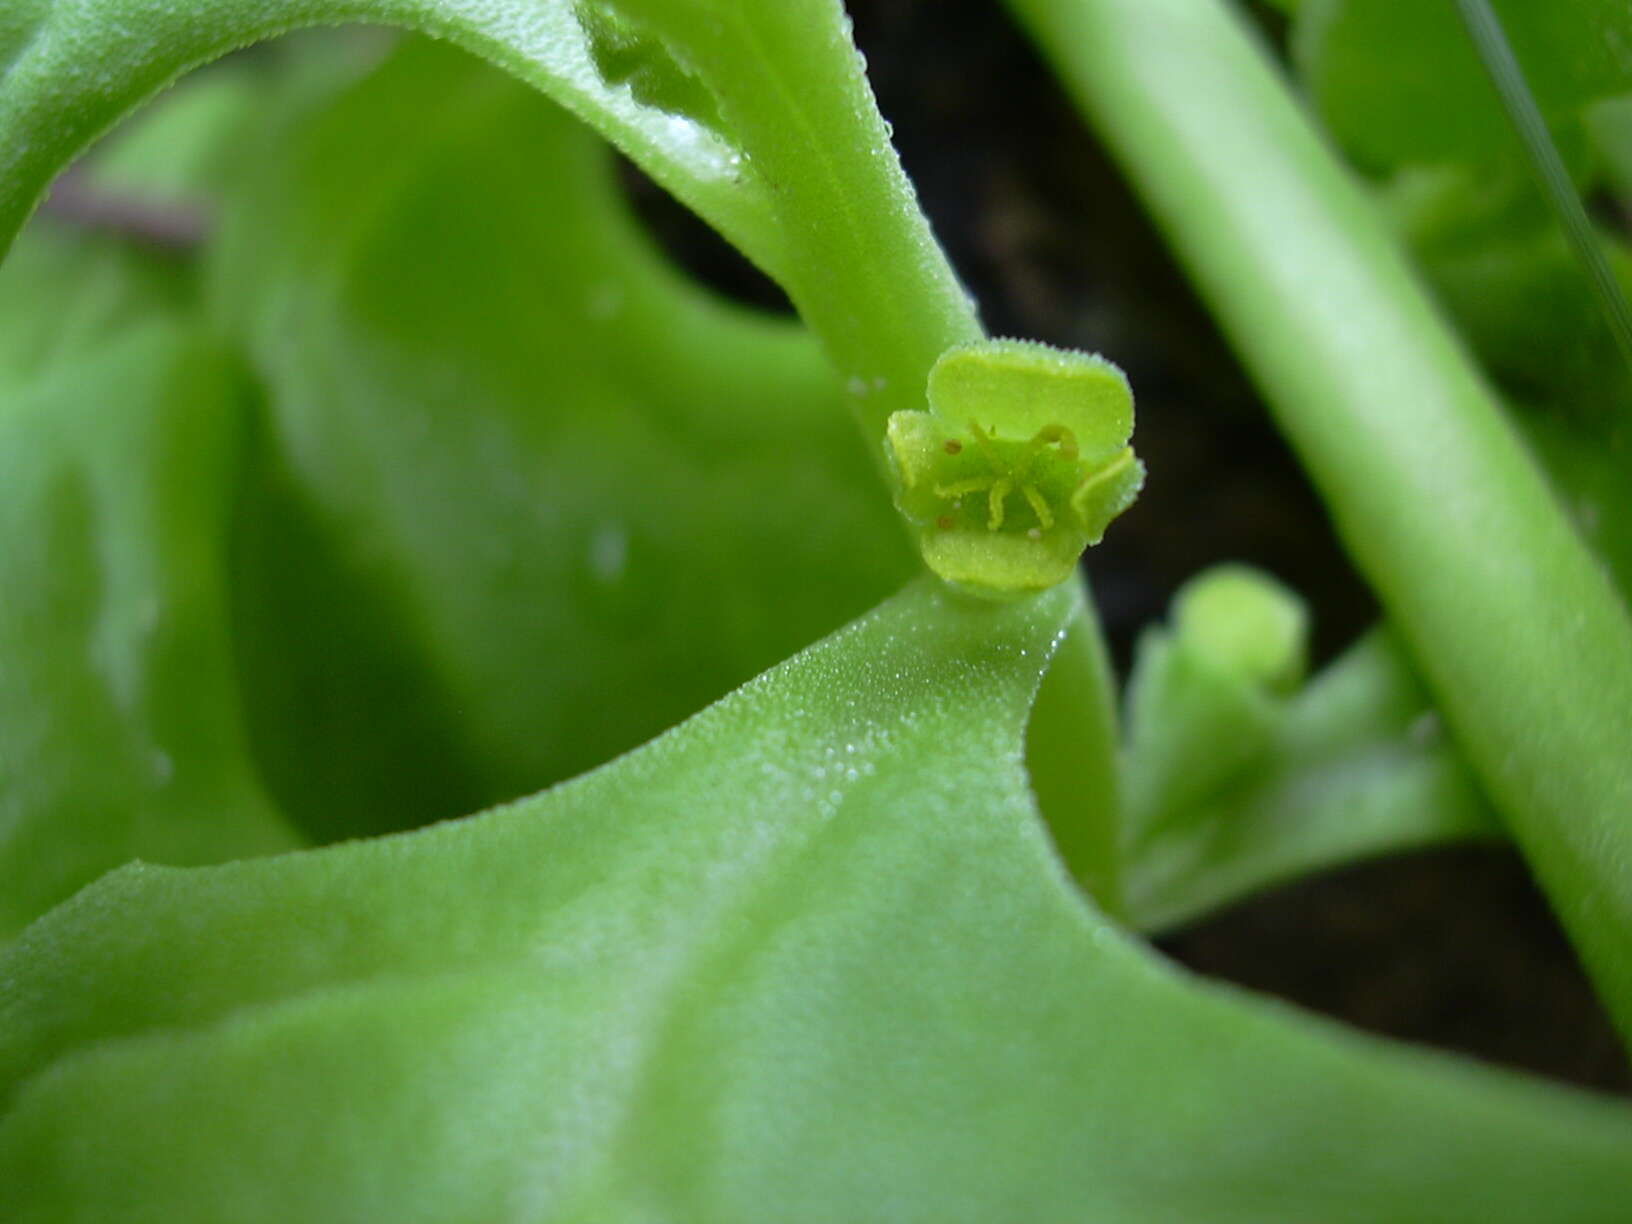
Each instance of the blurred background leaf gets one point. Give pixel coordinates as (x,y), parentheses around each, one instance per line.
(1397,81)
(525,496)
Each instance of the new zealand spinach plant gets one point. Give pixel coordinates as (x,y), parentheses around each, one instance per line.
(421,480)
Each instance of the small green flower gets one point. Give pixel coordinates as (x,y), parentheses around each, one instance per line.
(1019,464)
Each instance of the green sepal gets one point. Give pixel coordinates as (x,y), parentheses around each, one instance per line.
(1020,463)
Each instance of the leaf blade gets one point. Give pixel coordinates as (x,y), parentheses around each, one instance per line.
(892,976)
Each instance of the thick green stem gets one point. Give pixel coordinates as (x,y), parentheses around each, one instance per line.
(858,258)
(1509,616)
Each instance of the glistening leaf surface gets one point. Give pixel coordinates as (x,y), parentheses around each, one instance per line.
(806,957)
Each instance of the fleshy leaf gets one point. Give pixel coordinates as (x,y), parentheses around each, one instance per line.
(1020,463)
(1501,266)
(805,182)
(71,70)
(64,296)
(121,443)
(119,726)
(526,504)
(849,982)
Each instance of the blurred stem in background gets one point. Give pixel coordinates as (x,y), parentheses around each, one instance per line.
(1506,612)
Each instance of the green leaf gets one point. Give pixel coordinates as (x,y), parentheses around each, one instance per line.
(524,502)
(1506,274)
(64,295)
(804,182)
(1589,466)
(119,726)
(121,734)
(1609,125)
(186,143)
(849,982)
(1400,82)
(71,70)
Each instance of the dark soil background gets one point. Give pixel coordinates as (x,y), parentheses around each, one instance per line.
(1449,948)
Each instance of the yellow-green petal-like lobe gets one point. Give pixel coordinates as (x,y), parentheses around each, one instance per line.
(1018,387)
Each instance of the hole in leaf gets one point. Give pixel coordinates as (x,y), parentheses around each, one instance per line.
(625,54)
